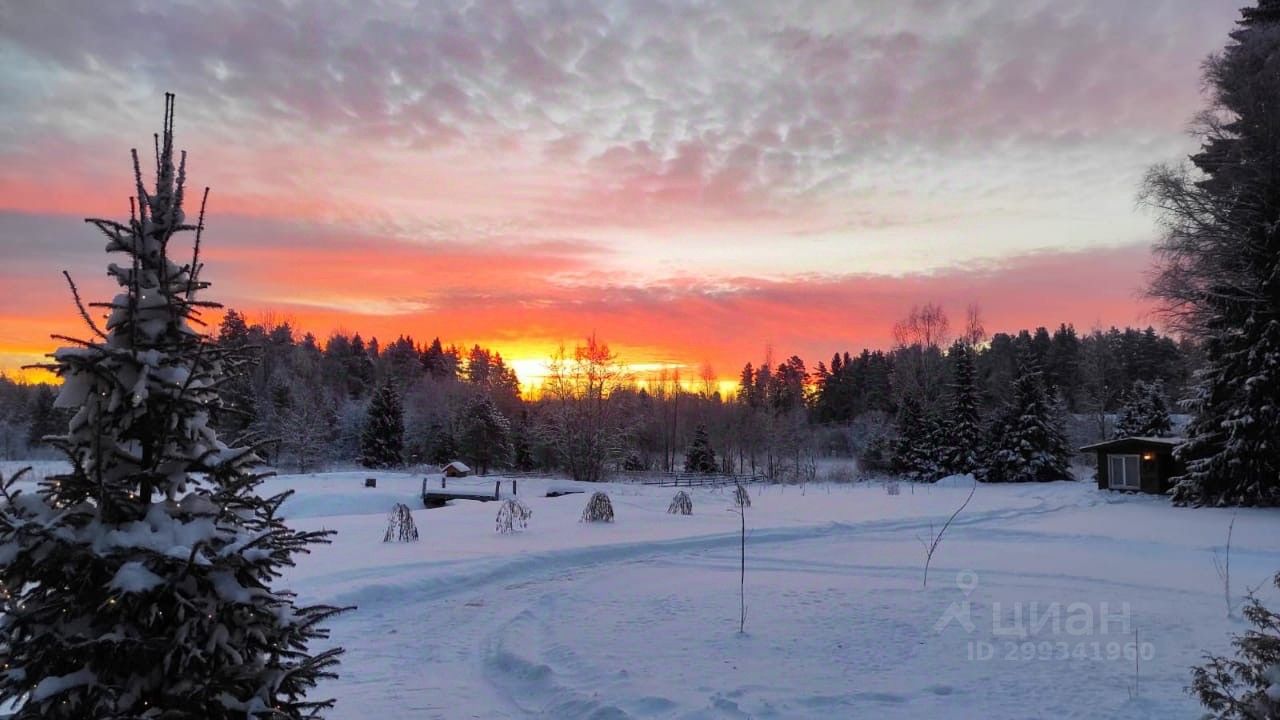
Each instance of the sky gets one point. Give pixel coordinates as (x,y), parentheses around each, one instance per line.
(692,181)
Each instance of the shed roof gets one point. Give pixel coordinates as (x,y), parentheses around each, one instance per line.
(1161,442)
(456,466)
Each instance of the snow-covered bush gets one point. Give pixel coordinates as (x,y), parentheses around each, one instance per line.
(740,497)
(598,509)
(513,516)
(400,525)
(681,504)
(1247,686)
(891,487)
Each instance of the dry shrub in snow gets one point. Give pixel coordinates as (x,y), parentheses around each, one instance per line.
(513,516)
(400,526)
(741,498)
(681,504)
(892,487)
(599,509)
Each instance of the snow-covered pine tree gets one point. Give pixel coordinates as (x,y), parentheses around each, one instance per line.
(962,433)
(910,431)
(1144,413)
(916,449)
(484,435)
(442,443)
(700,457)
(932,455)
(140,584)
(522,458)
(1027,443)
(382,442)
(1247,686)
(1220,275)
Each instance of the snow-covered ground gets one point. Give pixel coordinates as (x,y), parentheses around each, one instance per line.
(1037,599)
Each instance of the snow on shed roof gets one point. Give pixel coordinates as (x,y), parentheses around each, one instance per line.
(458,466)
(1168,441)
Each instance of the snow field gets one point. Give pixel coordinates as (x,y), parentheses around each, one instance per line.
(1031,608)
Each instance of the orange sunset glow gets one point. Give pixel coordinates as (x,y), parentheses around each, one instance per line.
(521,177)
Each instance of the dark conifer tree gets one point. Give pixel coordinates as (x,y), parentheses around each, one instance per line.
(382,442)
(46,420)
(522,448)
(1220,279)
(99,618)
(959,444)
(236,414)
(484,435)
(747,390)
(1145,413)
(915,449)
(442,444)
(700,457)
(1027,443)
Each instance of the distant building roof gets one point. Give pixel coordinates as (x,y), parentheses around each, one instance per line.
(1163,441)
(456,467)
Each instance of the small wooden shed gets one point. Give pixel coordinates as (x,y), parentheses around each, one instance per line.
(1137,464)
(455,469)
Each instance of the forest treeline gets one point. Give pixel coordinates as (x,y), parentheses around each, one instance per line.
(317,401)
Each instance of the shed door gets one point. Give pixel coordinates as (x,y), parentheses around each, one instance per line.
(1123,471)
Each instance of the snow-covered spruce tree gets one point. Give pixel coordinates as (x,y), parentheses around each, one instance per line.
(700,457)
(382,442)
(140,584)
(1245,687)
(1220,275)
(1027,443)
(484,435)
(916,451)
(962,434)
(910,431)
(1144,413)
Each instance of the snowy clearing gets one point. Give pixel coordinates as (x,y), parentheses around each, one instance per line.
(1033,601)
